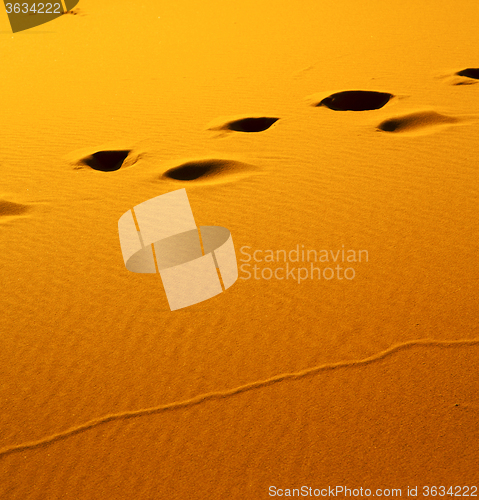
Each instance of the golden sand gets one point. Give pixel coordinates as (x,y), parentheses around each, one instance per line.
(370,382)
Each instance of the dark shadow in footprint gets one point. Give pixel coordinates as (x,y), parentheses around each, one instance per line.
(251,124)
(416,121)
(193,170)
(106,161)
(209,170)
(11,208)
(469,73)
(247,124)
(356,100)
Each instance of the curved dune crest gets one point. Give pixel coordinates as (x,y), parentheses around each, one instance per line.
(209,170)
(416,121)
(469,73)
(246,124)
(356,100)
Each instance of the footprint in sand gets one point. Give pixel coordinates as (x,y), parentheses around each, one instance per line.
(11,210)
(355,100)
(421,122)
(105,161)
(209,170)
(243,124)
(469,73)
(467,76)
(197,170)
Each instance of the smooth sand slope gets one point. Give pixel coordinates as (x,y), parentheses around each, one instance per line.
(341,128)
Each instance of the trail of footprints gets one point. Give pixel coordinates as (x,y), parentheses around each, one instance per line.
(221,170)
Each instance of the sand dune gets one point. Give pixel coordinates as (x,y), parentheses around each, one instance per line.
(368,381)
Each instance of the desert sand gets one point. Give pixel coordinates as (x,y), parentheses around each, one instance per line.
(310,125)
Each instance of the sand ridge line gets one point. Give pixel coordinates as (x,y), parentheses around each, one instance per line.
(231,392)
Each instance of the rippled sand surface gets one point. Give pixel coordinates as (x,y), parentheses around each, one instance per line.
(349,129)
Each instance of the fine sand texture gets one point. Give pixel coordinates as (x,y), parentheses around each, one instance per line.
(346,128)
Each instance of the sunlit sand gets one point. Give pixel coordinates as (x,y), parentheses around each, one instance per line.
(343,125)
